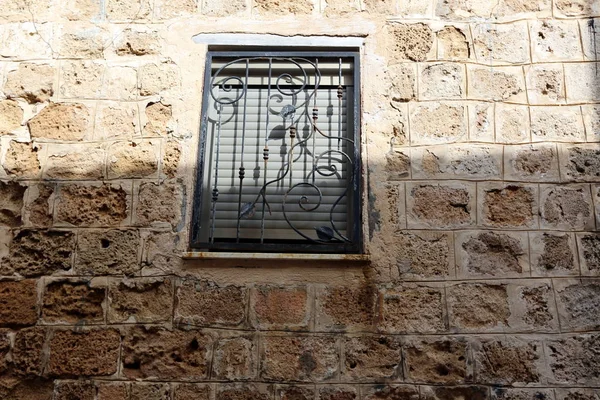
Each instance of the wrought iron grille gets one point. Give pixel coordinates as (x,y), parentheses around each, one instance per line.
(279,166)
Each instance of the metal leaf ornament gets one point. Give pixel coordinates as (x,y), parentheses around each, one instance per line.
(247,211)
(325,233)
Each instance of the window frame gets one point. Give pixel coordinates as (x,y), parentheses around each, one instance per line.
(289,246)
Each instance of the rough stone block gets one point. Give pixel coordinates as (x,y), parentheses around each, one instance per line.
(576,394)
(504,205)
(576,8)
(299,358)
(234,358)
(522,394)
(140,300)
(346,308)
(206,304)
(120,83)
(28,352)
(388,200)
(368,358)
(409,41)
(591,120)
(81,79)
(496,83)
(440,361)
(192,391)
(166,9)
(81,10)
(335,8)
(158,116)
(508,361)
(113,252)
(512,123)
(39,252)
(73,302)
(216,8)
(81,205)
(533,307)
(113,391)
(419,254)
(589,37)
(61,121)
(116,120)
(32,82)
(162,251)
(553,254)
(555,40)
(80,390)
(11,203)
(513,9)
(27,41)
(244,391)
(453,43)
(11,116)
(21,12)
(406,8)
(159,205)
(397,165)
(402,82)
(545,84)
(5,346)
(157,352)
(580,81)
(492,254)
(457,162)
(338,392)
(412,308)
(566,207)
(74,162)
(390,392)
(436,123)
(431,205)
(589,253)
(170,159)
(82,41)
(532,163)
(580,163)
(442,81)
(578,304)
(133,159)
(127,10)
(501,43)
(157,78)
(283,7)
(481,122)
(573,359)
(150,391)
(463,9)
(478,306)
(295,392)
(22,160)
(136,41)
(29,389)
(280,307)
(564,124)
(86,352)
(18,303)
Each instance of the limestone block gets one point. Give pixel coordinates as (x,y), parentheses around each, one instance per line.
(422,255)
(553,254)
(442,81)
(453,392)
(85,41)
(409,42)
(591,120)
(28,351)
(283,358)
(580,81)
(283,7)
(61,121)
(463,9)
(74,301)
(16,11)
(346,308)
(441,360)
(113,252)
(32,82)
(128,10)
(522,394)
(572,394)
(578,301)
(589,38)
(566,207)
(440,205)
(27,41)
(512,123)
(284,307)
(501,43)
(496,83)
(138,41)
(216,8)
(11,116)
(508,360)
(118,120)
(83,390)
(576,8)
(481,122)
(39,205)
(478,306)
(19,299)
(545,84)
(555,40)
(588,245)
(140,391)
(519,9)
(158,116)
(457,162)
(403,83)
(397,165)
(341,8)
(133,159)
(159,205)
(170,159)
(22,160)
(235,358)
(388,200)
(412,308)
(258,391)
(532,306)
(453,43)
(436,123)
(372,357)
(156,78)
(573,359)
(492,254)
(531,163)
(142,300)
(68,162)
(165,9)
(120,83)
(81,10)
(81,79)
(11,203)
(580,163)
(162,251)
(188,391)
(338,391)
(300,392)
(389,7)
(507,205)
(410,8)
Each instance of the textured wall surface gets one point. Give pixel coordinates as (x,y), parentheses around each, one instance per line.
(480,139)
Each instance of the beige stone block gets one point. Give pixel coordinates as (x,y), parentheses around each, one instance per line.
(531,163)
(39,205)
(390,7)
(19,11)
(496,84)
(85,41)
(555,40)
(507,205)
(491,254)
(481,122)
(409,42)
(553,254)
(580,163)
(588,245)
(62,121)
(158,120)
(521,9)
(390,203)
(454,43)
(11,116)
(581,82)
(159,205)
(578,301)
(133,159)
(478,306)
(81,79)
(567,394)
(442,81)
(75,162)
(403,82)
(512,123)
(27,41)
(22,160)
(566,207)
(156,78)
(576,8)
(532,306)
(165,9)
(572,359)
(120,83)
(561,124)
(81,10)
(590,36)
(127,10)
(335,8)
(413,8)
(459,161)
(32,82)
(138,41)
(501,43)
(116,120)
(591,120)
(286,7)
(435,205)
(545,84)
(216,8)
(435,123)
(463,9)
(171,157)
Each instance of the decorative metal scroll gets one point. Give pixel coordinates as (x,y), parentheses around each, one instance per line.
(293,86)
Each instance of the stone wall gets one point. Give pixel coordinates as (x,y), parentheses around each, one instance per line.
(480,134)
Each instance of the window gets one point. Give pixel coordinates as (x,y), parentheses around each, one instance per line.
(279,158)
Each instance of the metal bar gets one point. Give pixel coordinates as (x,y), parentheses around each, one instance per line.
(242,169)
(266,155)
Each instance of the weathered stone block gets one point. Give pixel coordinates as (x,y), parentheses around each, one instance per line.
(496,83)
(206,304)
(403,82)
(589,253)
(441,361)
(87,352)
(80,390)
(150,391)
(160,204)
(295,392)
(133,159)
(81,10)
(32,82)
(18,303)
(136,41)
(112,391)
(156,78)
(545,84)
(157,352)
(165,9)
(578,304)
(120,83)
(554,40)
(580,163)
(19,12)
(346,308)
(61,121)
(576,8)
(27,353)
(116,120)
(73,302)
(508,361)
(11,203)
(533,163)
(81,79)
(589,37)
(442,81)
(140,300)
(435,123)
(244,391)
(158,116)
(283,7)
(591,120)
(501,43)
(453,43)
(419,254)
(390,392)
(533,307)
(407,8)
(338,392)
(548,124)
(368,358)
(39,252)
(512,123)
(481,122)
(5,346)
(567,207)
(522,394)
(478,306)
(113,252)
(513,205)
(22,160)
(103,205)
(170,159)
(127,10)
(573,359)
(82,41)
(27,41)
(397,165)
(234,358)
(280,307)
(409,41)
(580,82)
(11,115)
(576,394)
(215,8)
(162,251)
(553,254)
(191,391)
(492,254)
(412,308)
(451,204)
(299,358)
(30,389)
(463,9)
(66,162)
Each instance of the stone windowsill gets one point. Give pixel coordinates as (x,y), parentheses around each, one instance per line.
(207,255)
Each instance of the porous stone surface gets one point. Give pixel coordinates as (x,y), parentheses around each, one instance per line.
(27,352)
(538,309)
(283,7)
(158,115)
(170,159)
(590,251)
(60,121)
(71,302)
(113,252)
(421,254)
(496,84)
(509,206)
(577,302)
(478,305)
(132,159)
(160,204)
(453,43)
(412,308)
(553,254)
(442,81)
(443,361)
(566,207)
(346,308)
(156,78)
(379,392)
(11,115)
(437,123)
(83,205)
(83,390)
(409,41)
(151,391)
(532,163)
(492,254)
(403,82)
(441,205)
(138,42)
(140,300)
(235,358)
(32,82)
(582,164)
(503,361)
(84,163)
(375,357)
(116,121)
(19,303)
(572,358)
(501,43)
(191,391)
(280,307)
(22,161)
(11,203)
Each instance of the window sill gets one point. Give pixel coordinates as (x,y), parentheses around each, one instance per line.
(207,255)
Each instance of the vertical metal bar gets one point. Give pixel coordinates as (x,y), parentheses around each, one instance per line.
(340,93)
(266,154)
(242,173)
(215,191)
(315,116)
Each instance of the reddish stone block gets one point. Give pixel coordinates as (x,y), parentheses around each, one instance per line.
(234,358)
(372,358)
(274,307)
(140,300)
(18,303)
(192,391)
(346,308)
(27,351)
(71,302)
